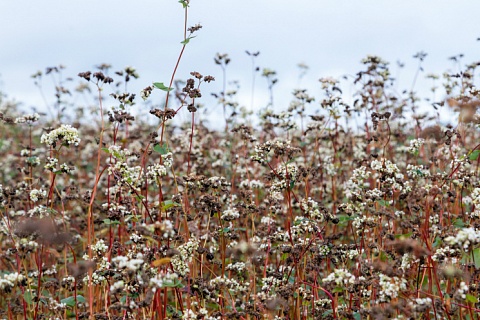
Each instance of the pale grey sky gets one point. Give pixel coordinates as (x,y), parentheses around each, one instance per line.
(330,36)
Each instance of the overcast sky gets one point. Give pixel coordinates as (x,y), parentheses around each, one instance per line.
(331,37)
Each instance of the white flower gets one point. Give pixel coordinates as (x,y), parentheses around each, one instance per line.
(100,247)
(36,195)
(66,133)
(464,238)
(390,287)
(415,145)
(126,263)
(340,277)
(230,214)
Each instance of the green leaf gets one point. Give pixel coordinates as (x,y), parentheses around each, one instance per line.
(110,222)
(187,40)
(476,257)
(437,243)
(106,150)
(161,86)
(161,149)
(471,298)
(343,219)
(168,204)
(384,203)
(474,155)
(184,3)
(357,316)
(70,301)
(458,223)
(27,296)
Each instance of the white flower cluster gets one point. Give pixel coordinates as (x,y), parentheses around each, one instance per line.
(415,145)
(118,286)
(419,304)
(417,171)
(290,170)
(329,166)
(131,176)
(399,214)
(462,290)
(100,247)
(388,167)
(55,305)
(39,212)
(29,118)
(114,207)
(97,278)
(238,266)
(270,283)
(340,277)
(125,263)
(312,209)
(445,252)
(407,260)
(68,281)
(167,159)
(374,194)
(230,284)
(475,200)
(261,151)
(390,287)
(475,195)
(359,147)
(218,182)
(118,153)
(156,171)
(180,261)
(136,238)
(25,245)
(32,161)
(361,221)
(267,220)
(464,239)
(230,214)
(65,168)
(51,164)
(392,174)
(252,184)
(66,133)
(356,183)
(302,225)
(166,227)
(36,195)
(352,254)
(188,314)
(163,280)
(323,250)
(8,281)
